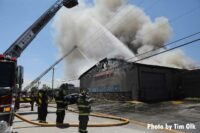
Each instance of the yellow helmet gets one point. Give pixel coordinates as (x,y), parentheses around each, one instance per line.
(83,91)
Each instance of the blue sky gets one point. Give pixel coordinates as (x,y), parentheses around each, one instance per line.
(17,15)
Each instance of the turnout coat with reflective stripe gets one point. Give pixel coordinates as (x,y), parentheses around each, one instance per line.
(84,106)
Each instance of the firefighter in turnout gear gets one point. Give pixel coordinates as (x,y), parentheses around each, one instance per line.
(39,103)
(84,108)
(42,105)
(61,104)
(32,100)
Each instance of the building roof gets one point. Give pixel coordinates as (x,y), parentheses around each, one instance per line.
(121,60)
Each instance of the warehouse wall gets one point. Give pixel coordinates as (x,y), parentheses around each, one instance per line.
(156,83)
(132,81)
(108,82)
(191,83)
(112,86)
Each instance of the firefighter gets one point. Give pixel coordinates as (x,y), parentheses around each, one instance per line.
(32,100)
(61,104)
(84,108)
(39,103)
(42,105)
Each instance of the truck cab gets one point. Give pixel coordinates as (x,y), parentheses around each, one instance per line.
(8,74)
(11,75)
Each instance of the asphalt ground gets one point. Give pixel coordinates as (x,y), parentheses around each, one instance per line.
(182,116)
(70,117)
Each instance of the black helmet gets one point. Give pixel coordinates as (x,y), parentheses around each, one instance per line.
(63,86)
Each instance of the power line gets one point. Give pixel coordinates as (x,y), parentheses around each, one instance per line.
(98,30)
(168,50)
(138,55)
(76,77)
(154,3)
(176,18)
(121,22)
(185,13)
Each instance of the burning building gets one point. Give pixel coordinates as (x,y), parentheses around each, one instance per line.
(120,80)
(117,29)
(190,83)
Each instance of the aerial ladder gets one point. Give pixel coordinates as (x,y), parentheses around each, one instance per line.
(35,81)
(31,98)
(24,40)
(11,74)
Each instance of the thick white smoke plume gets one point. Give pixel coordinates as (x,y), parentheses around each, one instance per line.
(111,28)
(177,59)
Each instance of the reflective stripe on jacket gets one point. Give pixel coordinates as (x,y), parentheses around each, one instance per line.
(39,98)
(83,106)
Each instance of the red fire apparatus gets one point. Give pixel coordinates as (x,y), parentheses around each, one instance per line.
(11,75)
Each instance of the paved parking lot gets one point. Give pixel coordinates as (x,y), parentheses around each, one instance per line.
(23,127)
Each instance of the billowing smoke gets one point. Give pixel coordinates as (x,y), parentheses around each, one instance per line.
(112,28)
(177,59)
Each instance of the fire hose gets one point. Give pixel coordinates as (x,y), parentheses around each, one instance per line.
(121,121)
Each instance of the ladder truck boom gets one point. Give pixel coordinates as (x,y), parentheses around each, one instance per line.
(24,40)
(47,70)
(11,75)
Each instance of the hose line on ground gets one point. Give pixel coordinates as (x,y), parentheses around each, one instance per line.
(122,121)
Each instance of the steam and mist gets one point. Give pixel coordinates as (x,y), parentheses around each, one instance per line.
(112,28)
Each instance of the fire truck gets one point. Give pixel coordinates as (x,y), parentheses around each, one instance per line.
(11,75)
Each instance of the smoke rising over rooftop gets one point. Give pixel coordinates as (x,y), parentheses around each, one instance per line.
(112,28)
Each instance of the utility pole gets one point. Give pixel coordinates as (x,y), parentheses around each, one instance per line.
(53,81)
(53,78)
(38,84)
